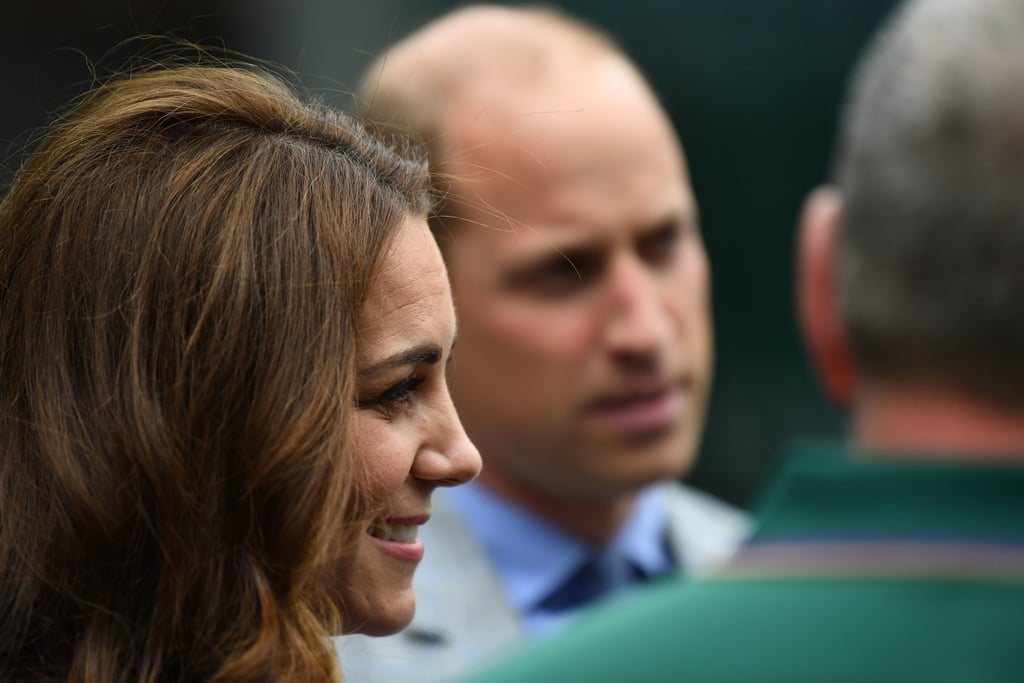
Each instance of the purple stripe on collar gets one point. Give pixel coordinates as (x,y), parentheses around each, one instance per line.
(878,558)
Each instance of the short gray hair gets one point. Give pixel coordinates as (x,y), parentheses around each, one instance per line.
(931,165)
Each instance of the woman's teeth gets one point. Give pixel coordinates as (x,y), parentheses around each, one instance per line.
(403,533)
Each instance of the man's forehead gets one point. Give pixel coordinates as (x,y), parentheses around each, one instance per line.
(498,151)
(575,164)
(572,197)
(568,93)
(516,242)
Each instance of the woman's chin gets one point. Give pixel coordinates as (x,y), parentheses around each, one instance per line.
(381,617)
(384,627)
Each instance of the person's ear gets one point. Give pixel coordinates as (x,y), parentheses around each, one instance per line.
(817,295)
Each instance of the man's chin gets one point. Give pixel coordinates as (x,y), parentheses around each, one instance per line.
(636,463)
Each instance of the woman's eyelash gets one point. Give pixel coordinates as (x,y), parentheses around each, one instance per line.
(394,395)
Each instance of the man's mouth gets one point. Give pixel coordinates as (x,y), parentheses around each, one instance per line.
(641,411)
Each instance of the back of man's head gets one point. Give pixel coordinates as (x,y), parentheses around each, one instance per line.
(931,170)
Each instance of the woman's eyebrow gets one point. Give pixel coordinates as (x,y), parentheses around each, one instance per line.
(428,354)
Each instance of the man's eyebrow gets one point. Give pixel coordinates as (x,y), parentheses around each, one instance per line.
(677,218)
(428,354)
(528,267)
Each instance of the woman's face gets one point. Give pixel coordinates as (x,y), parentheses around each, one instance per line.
(408,438)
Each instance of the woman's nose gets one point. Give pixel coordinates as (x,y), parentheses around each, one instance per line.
(450,459)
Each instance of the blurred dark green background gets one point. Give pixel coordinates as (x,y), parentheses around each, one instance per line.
(754,87)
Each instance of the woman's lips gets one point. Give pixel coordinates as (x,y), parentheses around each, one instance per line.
(639,413)
(398,538)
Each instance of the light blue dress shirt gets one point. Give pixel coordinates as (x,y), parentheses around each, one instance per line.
(533,557)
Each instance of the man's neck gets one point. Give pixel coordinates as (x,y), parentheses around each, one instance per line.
(938,424)
(593,520)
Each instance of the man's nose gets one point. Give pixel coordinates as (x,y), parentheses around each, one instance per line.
(638,319)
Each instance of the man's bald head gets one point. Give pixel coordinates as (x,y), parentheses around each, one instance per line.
(485,64)
(512,47)
(474,51)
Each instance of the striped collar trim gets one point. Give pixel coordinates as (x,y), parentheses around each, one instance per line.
(879,558)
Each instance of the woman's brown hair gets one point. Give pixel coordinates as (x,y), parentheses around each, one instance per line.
(183,265)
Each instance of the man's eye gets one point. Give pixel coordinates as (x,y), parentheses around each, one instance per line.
(658,247)
(560,276)
(392,398)
(560,271)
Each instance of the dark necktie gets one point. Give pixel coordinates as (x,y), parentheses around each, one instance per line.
(602,573)
(595,578)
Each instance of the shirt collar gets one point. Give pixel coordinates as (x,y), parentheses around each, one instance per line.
(532,556)
(643,538)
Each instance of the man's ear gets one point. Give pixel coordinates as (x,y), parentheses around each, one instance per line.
(817,295)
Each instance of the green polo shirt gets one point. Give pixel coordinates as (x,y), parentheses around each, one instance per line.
(861,570)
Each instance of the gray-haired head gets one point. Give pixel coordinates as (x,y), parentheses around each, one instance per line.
(931,167)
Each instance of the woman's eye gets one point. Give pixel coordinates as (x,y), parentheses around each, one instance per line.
(394,396)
